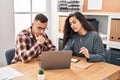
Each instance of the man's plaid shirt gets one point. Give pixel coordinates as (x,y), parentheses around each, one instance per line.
(27,46)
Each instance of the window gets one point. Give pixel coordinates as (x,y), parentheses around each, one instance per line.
(25,11)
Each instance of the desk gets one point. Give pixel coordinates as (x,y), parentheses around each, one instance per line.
(98,71)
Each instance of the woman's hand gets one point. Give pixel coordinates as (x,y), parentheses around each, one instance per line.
(84,51)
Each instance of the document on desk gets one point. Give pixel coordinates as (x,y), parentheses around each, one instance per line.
(83,64)
(7,73)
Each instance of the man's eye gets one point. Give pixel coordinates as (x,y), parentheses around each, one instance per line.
(39,28)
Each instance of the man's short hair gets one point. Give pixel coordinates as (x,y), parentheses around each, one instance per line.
(42,18)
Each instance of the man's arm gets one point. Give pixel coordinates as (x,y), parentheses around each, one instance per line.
(25,52)
(49,44)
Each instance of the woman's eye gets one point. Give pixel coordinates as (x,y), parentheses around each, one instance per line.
(74,22)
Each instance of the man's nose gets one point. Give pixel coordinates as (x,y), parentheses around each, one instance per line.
(42,31)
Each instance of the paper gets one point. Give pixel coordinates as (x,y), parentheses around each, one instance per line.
(83,64)
(7,73)
(94,4)
(74,60)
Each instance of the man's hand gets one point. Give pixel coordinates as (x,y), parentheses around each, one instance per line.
(40,38)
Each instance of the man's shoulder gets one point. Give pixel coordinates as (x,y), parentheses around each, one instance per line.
(25,32)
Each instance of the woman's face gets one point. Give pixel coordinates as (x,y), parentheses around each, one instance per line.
(75,24)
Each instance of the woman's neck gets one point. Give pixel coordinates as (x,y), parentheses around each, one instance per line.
(82,32)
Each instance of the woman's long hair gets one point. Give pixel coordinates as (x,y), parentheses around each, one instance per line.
(68,32)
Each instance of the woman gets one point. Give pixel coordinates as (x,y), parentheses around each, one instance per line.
(80,37)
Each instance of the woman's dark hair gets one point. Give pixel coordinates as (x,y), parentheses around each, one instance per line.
(42,18)
(68,32)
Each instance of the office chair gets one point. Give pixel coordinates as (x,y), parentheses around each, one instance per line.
(107,55)
(9,54)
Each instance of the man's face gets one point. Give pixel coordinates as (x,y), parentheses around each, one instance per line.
(38,28)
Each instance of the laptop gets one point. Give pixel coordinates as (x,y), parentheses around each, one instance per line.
(56,59)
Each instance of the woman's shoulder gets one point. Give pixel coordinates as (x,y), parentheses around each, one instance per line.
(93,33)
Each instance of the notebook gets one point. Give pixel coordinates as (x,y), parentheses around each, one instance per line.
(56,59)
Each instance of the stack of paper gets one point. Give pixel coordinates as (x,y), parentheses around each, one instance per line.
(83,64)
(7,73)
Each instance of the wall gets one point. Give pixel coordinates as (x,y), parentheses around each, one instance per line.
(53,21)
(7,32)
(107,6)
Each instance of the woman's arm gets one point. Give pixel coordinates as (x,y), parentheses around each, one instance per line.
(98,51)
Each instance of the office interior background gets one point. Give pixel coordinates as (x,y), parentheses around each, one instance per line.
(18,14)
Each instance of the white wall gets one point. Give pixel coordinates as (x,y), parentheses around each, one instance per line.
(53,21)
(7,32)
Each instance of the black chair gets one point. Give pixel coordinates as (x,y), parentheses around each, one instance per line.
(9,54)
(115,56)
(107,55)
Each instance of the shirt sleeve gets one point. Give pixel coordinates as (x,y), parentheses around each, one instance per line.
(98,49)
(48,45)
(69,45)
(25,53)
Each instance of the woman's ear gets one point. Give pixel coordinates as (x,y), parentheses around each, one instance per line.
(32,24)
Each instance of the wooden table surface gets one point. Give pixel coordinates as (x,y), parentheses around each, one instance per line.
(97,71)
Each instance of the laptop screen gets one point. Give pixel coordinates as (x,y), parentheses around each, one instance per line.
(56,59)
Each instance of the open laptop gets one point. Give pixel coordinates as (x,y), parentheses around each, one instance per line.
(56,59)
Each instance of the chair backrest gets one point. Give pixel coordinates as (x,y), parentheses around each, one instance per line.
(9,54)
(107,55)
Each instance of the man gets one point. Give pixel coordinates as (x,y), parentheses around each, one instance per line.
(32,41)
